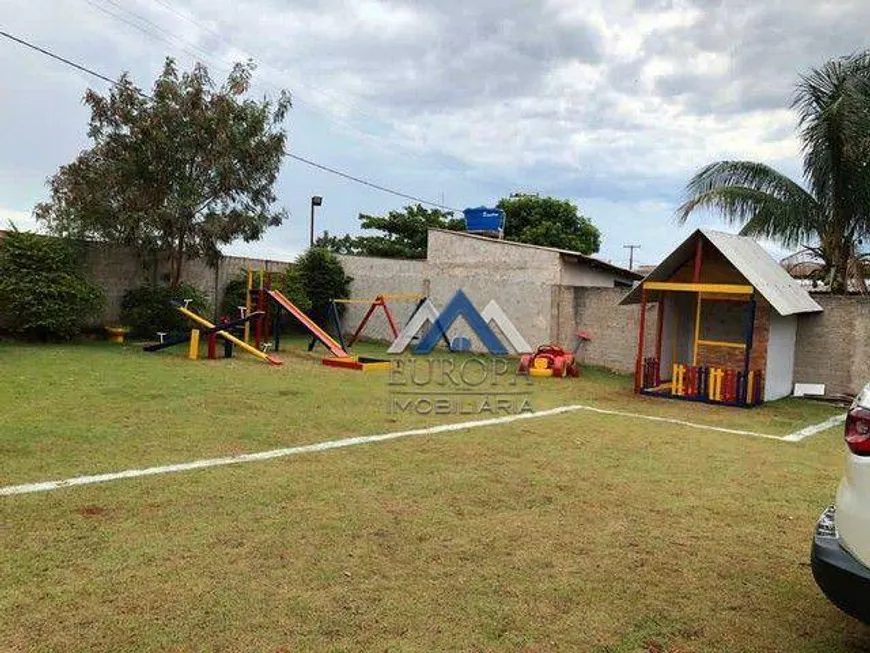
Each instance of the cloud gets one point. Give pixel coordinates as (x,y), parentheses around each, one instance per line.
(618,101)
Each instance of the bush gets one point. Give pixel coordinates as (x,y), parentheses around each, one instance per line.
(293,288)
(147,309)
(323,280)
(43,293)
(235,295)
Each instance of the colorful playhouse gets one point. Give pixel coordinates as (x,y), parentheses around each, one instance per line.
(724,326)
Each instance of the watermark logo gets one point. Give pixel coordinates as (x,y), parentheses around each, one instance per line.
(460,306)
(466,384)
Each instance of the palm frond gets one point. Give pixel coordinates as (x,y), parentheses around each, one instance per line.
(764,201)
(833,105)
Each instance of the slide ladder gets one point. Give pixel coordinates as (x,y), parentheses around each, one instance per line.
(327,340)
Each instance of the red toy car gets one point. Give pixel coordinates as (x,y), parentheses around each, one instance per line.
(549,360)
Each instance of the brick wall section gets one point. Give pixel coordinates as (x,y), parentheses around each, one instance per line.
(613,328)
(732,357)
(832,347)
(760,336)
(711,356)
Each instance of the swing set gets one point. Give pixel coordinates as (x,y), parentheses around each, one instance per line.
(379,302)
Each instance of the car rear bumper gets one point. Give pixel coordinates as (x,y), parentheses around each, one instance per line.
(843,579)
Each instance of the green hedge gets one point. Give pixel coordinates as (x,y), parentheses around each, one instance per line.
(43,293)
(148,309)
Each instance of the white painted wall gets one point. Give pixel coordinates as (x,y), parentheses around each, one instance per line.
(779,375)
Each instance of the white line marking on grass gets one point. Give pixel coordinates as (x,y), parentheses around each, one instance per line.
(46,486)
(274,453)
(671,420)
(831,422)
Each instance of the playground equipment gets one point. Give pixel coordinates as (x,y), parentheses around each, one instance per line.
(256,300)
(549,360)
(117,334)
(262,298)
(212,332)
(719,385)
(340,358)
(379,302)
(725,314)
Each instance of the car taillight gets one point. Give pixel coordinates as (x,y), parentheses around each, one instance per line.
(858,431)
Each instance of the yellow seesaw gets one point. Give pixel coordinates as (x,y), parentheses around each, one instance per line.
(229,336)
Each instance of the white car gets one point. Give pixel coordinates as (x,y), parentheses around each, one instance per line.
(841,546)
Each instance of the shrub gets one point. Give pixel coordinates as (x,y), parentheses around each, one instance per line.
(43,293)
(293,288)
(235,295)
(147,309)
(323,280)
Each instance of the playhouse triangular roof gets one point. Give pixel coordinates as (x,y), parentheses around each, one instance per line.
(760,269)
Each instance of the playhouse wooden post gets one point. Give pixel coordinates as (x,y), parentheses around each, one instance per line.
(699,250)
(261,307)
(267,323)
(638,366)
(660,321)
(749,329)
(697,331)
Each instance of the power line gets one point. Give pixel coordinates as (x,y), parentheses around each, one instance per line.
(296,157)
(369,183)
(220,37)
(371,138)
(57,57)
(168,37)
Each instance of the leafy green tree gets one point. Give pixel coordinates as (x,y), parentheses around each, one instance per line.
(549,222)
(337,244)
(831,215)
(181,171)
(43,293)
(323,279)
(403,233)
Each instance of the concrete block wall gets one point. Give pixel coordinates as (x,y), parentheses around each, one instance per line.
(613,328)
(834,347)
(118,269)
(381,276)
(523,293)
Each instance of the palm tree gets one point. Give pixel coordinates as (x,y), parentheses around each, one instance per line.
(831,215)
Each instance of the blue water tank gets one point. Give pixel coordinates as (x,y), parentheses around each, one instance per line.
(483,218)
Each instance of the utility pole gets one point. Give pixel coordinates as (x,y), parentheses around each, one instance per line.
(631,249)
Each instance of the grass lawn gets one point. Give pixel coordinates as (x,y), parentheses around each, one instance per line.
(581,531)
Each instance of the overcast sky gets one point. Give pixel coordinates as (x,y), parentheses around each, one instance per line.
(611,103)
